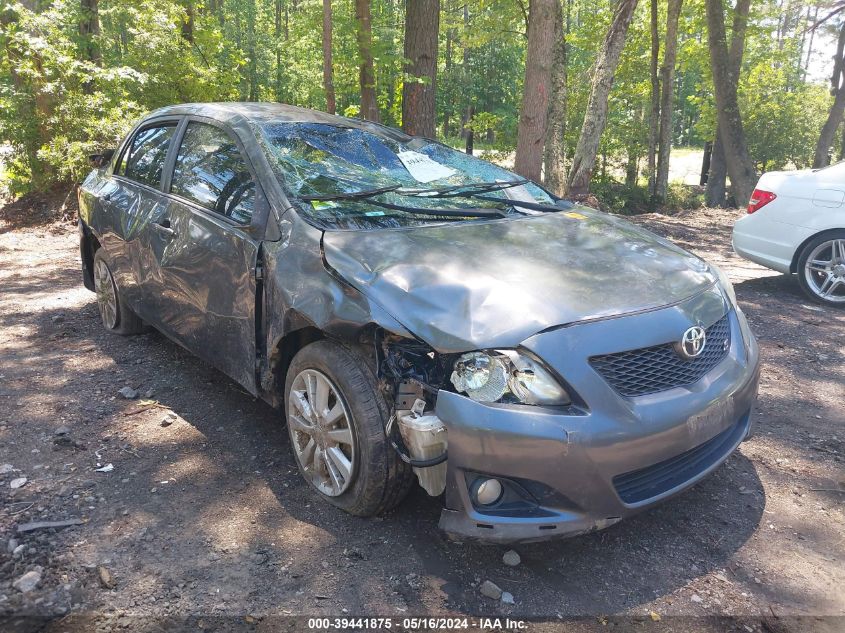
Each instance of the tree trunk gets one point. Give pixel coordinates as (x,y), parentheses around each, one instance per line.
(534,112)
(469,132)
(810,47)
(422,25)
(251,50)
(595,118)
(714,192)
(666,100)
(555,152)
(187,27)
(705,163)
(367,74)
(89,30)
(277,32)
(828,133)
(468,111)
(328,75)
(739,164)
(834,117)
(842,145)
(632,151)
(447,110)
(654,113)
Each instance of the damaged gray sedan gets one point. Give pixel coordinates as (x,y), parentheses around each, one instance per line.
(420,313)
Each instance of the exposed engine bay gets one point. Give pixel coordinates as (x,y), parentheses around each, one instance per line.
(413,374)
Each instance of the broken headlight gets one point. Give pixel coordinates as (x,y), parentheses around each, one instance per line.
(494,375)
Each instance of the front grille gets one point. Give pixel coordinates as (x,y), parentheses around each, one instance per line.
(651,369)
(645,483)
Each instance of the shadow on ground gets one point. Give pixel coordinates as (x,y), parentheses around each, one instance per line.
(209,516)
(219,492)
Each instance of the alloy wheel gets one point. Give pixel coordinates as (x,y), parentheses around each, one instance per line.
(321,431)
(825,271)
(106,294)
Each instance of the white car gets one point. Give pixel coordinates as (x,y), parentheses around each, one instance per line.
(796,224)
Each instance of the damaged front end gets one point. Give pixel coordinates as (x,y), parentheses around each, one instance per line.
(412,375)
(481,314)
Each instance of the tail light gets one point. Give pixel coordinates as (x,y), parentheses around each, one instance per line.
(760,199)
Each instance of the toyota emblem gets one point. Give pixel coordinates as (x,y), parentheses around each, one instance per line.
(692,342)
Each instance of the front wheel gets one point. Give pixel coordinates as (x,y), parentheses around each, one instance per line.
(336,418)
(821,269)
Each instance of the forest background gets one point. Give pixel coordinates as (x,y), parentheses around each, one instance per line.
(589,96)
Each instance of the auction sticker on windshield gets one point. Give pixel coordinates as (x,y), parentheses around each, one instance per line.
(423,168)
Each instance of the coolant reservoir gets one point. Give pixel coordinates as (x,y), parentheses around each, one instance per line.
(425,437)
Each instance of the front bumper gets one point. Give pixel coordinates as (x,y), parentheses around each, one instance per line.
(585,467)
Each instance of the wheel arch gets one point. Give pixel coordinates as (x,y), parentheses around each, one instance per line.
(793,265)
(88,247)
(360,340)
(282,354)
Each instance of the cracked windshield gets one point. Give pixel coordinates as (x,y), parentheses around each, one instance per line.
(344,177)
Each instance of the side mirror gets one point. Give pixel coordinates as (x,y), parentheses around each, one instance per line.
(102,159)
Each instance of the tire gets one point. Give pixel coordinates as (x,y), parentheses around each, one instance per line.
(821,269)
(116,316)
(378,480)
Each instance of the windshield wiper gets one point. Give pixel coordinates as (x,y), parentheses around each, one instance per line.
(534,206)
(352,195)
(452,191)
(477,212)
(462,190)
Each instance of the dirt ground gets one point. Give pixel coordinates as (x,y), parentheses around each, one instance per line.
(206,520)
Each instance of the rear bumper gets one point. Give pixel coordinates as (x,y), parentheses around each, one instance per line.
(768,243)
(586,467)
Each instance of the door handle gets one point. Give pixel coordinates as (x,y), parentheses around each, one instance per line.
(163,229)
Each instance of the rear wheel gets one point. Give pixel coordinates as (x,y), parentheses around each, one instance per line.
(117,317)
(336,418)
(821,269)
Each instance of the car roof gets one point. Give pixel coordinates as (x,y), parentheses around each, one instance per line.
(265,112)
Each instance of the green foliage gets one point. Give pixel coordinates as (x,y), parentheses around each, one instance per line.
(59,102)
(681,196)
(782,116)
(58,107)
(620,198)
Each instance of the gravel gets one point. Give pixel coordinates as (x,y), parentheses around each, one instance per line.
(511,558)
(769,521)
(490,590)
(28,582)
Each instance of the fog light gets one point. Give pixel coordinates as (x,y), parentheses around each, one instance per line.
(488,492)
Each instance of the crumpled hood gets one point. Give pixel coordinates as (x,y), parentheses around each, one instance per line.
(478,285)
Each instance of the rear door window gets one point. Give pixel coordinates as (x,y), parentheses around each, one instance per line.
(143,160)
(211,171)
